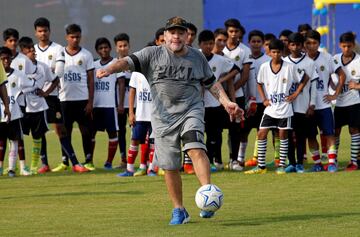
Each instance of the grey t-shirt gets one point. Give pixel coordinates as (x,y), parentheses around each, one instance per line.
(175,84)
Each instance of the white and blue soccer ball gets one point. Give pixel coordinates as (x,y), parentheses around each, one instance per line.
(209,197)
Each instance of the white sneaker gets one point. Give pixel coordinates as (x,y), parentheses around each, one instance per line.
(219,166)
(235,165)
(25,172)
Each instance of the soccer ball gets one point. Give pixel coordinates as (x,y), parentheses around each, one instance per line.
(209,197)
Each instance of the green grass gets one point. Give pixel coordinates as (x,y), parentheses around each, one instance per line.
(101,204)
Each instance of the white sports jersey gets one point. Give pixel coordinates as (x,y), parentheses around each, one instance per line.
(74,83)
(276,87)
(220,66)
(17,82)
(325,66)
(304,99)
(105,88)
(143,96)
(126,75)
(240,56)
(254,70)
(50,55)
(35,103)
(349,97)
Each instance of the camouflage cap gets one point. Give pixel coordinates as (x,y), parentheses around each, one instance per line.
(176,22)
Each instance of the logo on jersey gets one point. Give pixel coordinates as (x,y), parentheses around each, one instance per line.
(80,63)
(72,76)
(145,95)
(237,58)
(299,70)
(21,67)
(353,72)
(322,68)
(13,85)
(214,69)
(50,57)
(335,61)
(284,80)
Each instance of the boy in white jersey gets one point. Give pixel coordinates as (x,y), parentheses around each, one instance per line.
(141,125)
(10,126)
(323,119)
(239,53)
(256,109)
(347,107)
(19,62)
(35,110)
(77,93)
(224,71)
(303,105)
(105,113)
(274,81)
(122,46)
(52,54)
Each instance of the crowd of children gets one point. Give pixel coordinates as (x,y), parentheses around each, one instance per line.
(287,85)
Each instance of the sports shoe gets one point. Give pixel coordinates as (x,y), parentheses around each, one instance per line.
(60,167)
(126,174)
(332,168)
(108,166)
(122,165)
(140,172)
(44,169)
(237,165)
(274,163)
(299,168)
(189,169)
(151,173)
(280,170)
(290,169)
(252,162)
(219,166)
(79,168)
(213,168)
(11,173)
(25,172)
(161,172)
(89,165)
(179,216)
(256,170)
(206,214)
(317,168)
(351,166)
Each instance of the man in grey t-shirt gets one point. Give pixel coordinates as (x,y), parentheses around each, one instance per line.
(176,74)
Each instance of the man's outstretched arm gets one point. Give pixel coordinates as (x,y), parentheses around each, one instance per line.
(119,65)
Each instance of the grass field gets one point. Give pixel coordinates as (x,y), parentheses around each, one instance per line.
(101,204)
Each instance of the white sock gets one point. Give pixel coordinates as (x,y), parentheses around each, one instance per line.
(13,154)
(242,150)
(22,164)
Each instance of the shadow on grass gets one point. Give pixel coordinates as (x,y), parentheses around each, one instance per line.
(71,194)
(286,218)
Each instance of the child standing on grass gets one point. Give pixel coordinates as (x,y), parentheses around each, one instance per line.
(274,82)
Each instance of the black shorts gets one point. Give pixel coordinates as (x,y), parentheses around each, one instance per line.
(74,111)
(11,130)
(105,119)
(35,123)
(254,121)
(270,122)
(348,115)
(54,114)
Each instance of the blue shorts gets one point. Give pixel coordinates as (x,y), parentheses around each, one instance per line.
(105,119)
(140,130)
(324,120)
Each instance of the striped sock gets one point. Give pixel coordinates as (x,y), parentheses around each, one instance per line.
(332,154)
(242,151)
(132,153)
(187,159)
(355,147)
(261,147)
(337,143)
(315,155)
(284,145)
(35,154)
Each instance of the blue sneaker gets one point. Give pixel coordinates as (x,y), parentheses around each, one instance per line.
(108,166)
(317,168)
(179,216)
(206,214)
(152,173)
(332,168)
(126,174)
(299,168)
(213,168)
(11,173)
(290,169)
